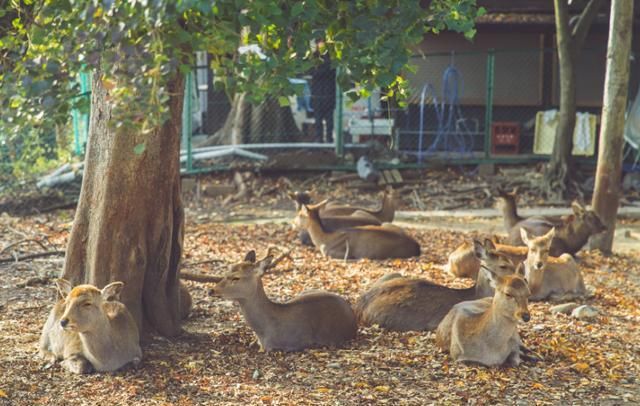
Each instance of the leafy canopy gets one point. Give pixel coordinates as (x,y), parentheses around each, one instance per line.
(138,46)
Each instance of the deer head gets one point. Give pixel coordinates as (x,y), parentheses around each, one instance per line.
(83,304)
(588,218)
(538,248)
(512,297)
(243,279)
(491,259)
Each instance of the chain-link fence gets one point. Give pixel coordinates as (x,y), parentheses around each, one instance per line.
(494,106)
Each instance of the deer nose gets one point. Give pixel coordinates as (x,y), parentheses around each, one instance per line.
(64,322)
(526,317)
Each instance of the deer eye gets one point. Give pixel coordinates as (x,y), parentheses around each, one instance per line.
(86,304)
(234,279)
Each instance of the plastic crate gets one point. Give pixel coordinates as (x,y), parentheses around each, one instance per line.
(505,137)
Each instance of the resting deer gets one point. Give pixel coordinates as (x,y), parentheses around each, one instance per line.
(90,330)
(464,263)
(549,277)
(402,304)
(507,204)
(384,214)
(373,242)
(570,237)
(329,222)
(313,319)
(486,330)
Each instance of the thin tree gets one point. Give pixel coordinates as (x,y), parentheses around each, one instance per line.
(606,195)
(570,40)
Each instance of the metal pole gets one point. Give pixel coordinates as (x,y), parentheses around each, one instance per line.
(338,122)
(187,116)
(488,116)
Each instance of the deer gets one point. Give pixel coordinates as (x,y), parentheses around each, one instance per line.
(411,304)
(89,329)
(312,319)
(485,331)
(464,263)
(385,214)
(373,242)
(330,222)
(506,202)
(550,277)
(568,238)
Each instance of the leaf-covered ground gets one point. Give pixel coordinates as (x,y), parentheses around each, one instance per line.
(215,362)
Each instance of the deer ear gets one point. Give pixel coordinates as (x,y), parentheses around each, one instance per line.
(524,234)
(520,270)
(250,257)
(111,292)
(64,287)
(489,245)
(577,208)
(264,264)
(317,206)
(551,234)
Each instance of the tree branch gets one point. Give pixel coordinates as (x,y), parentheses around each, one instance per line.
(563,36)
(581,28)
(31,256)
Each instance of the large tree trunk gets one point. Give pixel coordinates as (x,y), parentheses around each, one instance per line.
(558,175)
(247,123)
(129,221)
(606,195)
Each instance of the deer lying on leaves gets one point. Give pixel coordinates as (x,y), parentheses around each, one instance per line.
(313,319)
(569,238)
(384,214)
(330,222)
(507,204)
(90,330)
(464,263)
(402,304)
(549,277)
(486,330)
(374,242)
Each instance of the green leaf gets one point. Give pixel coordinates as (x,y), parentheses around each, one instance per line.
(139,149)
(283,101)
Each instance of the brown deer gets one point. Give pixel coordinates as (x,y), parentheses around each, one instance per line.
(313,319)
(90,330)
(506,202)
(373,242)
(403,304)
(384,214)
(464,263)
(486,330)
(550,277)
(569,238)
(329,222)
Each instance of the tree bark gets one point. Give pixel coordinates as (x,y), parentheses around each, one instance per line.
(129,222)
(246,123)
(558,175)
(606,195)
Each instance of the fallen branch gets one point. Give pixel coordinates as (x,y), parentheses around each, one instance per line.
(31,256)
(5,249)
(195,277)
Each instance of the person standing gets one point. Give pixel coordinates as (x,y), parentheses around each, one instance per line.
(323,97)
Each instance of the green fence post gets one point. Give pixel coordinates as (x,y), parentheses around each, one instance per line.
(187,116)
(488,116)
(338,122)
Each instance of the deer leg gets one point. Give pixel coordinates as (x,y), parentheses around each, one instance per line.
(529,355)
(77,364)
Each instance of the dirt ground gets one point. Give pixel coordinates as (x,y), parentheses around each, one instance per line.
(214,362)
